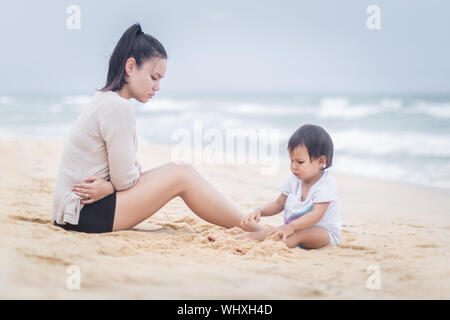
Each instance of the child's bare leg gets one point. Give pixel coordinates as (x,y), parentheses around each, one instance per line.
(312,238)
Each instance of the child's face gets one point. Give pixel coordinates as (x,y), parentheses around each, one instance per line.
(302,166)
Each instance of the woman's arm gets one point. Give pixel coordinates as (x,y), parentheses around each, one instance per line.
(118,131)
(93,190)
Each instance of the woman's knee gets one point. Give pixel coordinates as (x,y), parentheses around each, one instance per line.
(184,172)
(173,172)
(183,168)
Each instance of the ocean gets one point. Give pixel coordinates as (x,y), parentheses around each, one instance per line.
(397,138)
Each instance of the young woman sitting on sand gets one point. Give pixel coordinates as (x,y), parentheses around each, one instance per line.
(309,197)
(100,186)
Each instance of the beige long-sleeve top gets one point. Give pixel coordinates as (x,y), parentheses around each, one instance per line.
(103,143)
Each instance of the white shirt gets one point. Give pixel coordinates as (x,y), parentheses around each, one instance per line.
(324,190)
(102,143)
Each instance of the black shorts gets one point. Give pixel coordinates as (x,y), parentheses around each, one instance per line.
(97,217)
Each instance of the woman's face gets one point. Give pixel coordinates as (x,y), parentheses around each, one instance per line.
(143,81)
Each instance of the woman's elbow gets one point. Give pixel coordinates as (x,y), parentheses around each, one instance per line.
(124,184)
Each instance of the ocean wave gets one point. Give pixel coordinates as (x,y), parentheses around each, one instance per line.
(166,105)
(45,132)
(441,110)
(6,100)
(327,108)
(394,171)
(79,100)
(391,143)
(270,109)
(341,108)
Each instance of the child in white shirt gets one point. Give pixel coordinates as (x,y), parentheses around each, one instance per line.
(308,197)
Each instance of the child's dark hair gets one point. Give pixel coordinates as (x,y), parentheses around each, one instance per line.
(316,140)
(133,43)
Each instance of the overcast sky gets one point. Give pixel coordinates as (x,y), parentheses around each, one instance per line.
(233,46)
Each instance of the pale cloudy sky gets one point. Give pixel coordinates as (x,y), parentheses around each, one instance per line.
(233,46)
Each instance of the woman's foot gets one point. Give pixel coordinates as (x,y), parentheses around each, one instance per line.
(257,235)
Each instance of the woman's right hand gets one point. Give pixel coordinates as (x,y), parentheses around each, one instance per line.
(255,216)
(95,189)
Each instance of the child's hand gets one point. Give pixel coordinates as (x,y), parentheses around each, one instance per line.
(255,216)
(282,231)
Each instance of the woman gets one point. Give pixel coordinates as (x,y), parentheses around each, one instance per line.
(102,146)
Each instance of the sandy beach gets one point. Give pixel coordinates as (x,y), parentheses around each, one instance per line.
(399,229)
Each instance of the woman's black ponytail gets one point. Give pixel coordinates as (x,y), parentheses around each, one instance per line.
(133,43)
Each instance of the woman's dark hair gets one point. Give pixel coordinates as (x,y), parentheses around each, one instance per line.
(316,140)
(133,43)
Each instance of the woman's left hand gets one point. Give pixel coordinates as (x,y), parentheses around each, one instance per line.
(93,190)
(282,231)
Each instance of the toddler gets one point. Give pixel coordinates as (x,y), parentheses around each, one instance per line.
(309,197)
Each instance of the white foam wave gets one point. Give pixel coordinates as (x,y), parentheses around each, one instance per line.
(435,110)
(341,108)
(327,108)
(385,143)
(427,176)
(6,100)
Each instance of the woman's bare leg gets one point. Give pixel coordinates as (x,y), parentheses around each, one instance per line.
(256,235)
(158,186)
